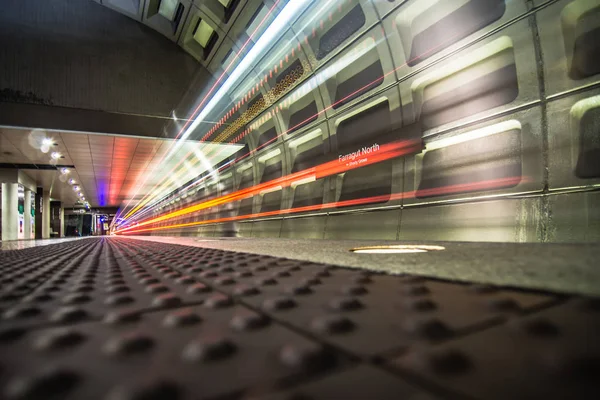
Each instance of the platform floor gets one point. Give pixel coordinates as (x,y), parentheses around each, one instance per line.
(124,318)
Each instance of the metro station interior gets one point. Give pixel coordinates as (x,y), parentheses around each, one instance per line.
(299,199)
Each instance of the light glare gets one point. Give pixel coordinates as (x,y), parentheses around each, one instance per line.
(396,249)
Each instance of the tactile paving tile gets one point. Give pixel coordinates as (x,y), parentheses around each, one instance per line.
(21,273)
(343,306)
(90,287)
(117,318)
(554,354)
(194,352)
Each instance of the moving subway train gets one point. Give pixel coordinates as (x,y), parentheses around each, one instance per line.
(446,120)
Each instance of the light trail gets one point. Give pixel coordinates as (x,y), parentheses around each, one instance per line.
(356,92)
(445,190)
(363,88)
(386,152)
(197,109)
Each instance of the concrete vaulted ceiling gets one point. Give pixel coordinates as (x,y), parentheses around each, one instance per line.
(103,79)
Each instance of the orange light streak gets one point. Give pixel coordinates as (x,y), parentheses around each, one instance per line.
(189,120)
(445,190)
(385,152)
(365,87)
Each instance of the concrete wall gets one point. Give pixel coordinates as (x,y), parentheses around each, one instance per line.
(76,53)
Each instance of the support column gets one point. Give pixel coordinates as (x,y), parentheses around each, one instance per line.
(38,212)
(62,222)
(27,214)
(46,215)
(10,211)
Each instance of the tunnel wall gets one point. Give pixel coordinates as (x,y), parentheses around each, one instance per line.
(503,98)
(78,54)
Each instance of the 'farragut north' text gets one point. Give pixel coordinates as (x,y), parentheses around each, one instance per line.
(358,153)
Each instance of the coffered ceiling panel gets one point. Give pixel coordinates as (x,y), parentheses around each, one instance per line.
(108,170)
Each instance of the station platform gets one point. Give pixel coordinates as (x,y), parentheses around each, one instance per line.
(190,318)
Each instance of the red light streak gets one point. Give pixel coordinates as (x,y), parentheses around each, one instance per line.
(214,86)
(446,190)
(241,136)
(386,152)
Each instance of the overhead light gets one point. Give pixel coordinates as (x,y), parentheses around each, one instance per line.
(75,188)
(72,181)
(47,142)
(65,171)
(80,194)
(397,249)
(82,198)
(56,155)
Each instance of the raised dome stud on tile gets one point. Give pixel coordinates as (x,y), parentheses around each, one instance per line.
(166,300)
(248,321)
(332,324)
(76,298)
(119,299)
(218,301)
(128,344)
(69,314)
(278,303)
(181,317)
(345,303)
(209,349)
(54,382)
(58,339)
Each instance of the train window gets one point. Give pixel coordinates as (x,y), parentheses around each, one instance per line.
(361,82)
(271,201)
(269,136)
(246,206)
(494,161)
(587,112)
(308,194)
(372,182)
(364,125)
(423,36)
(247,178)
(580,31)
(308,158)
(303,117)
(489,80)
(271,171)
